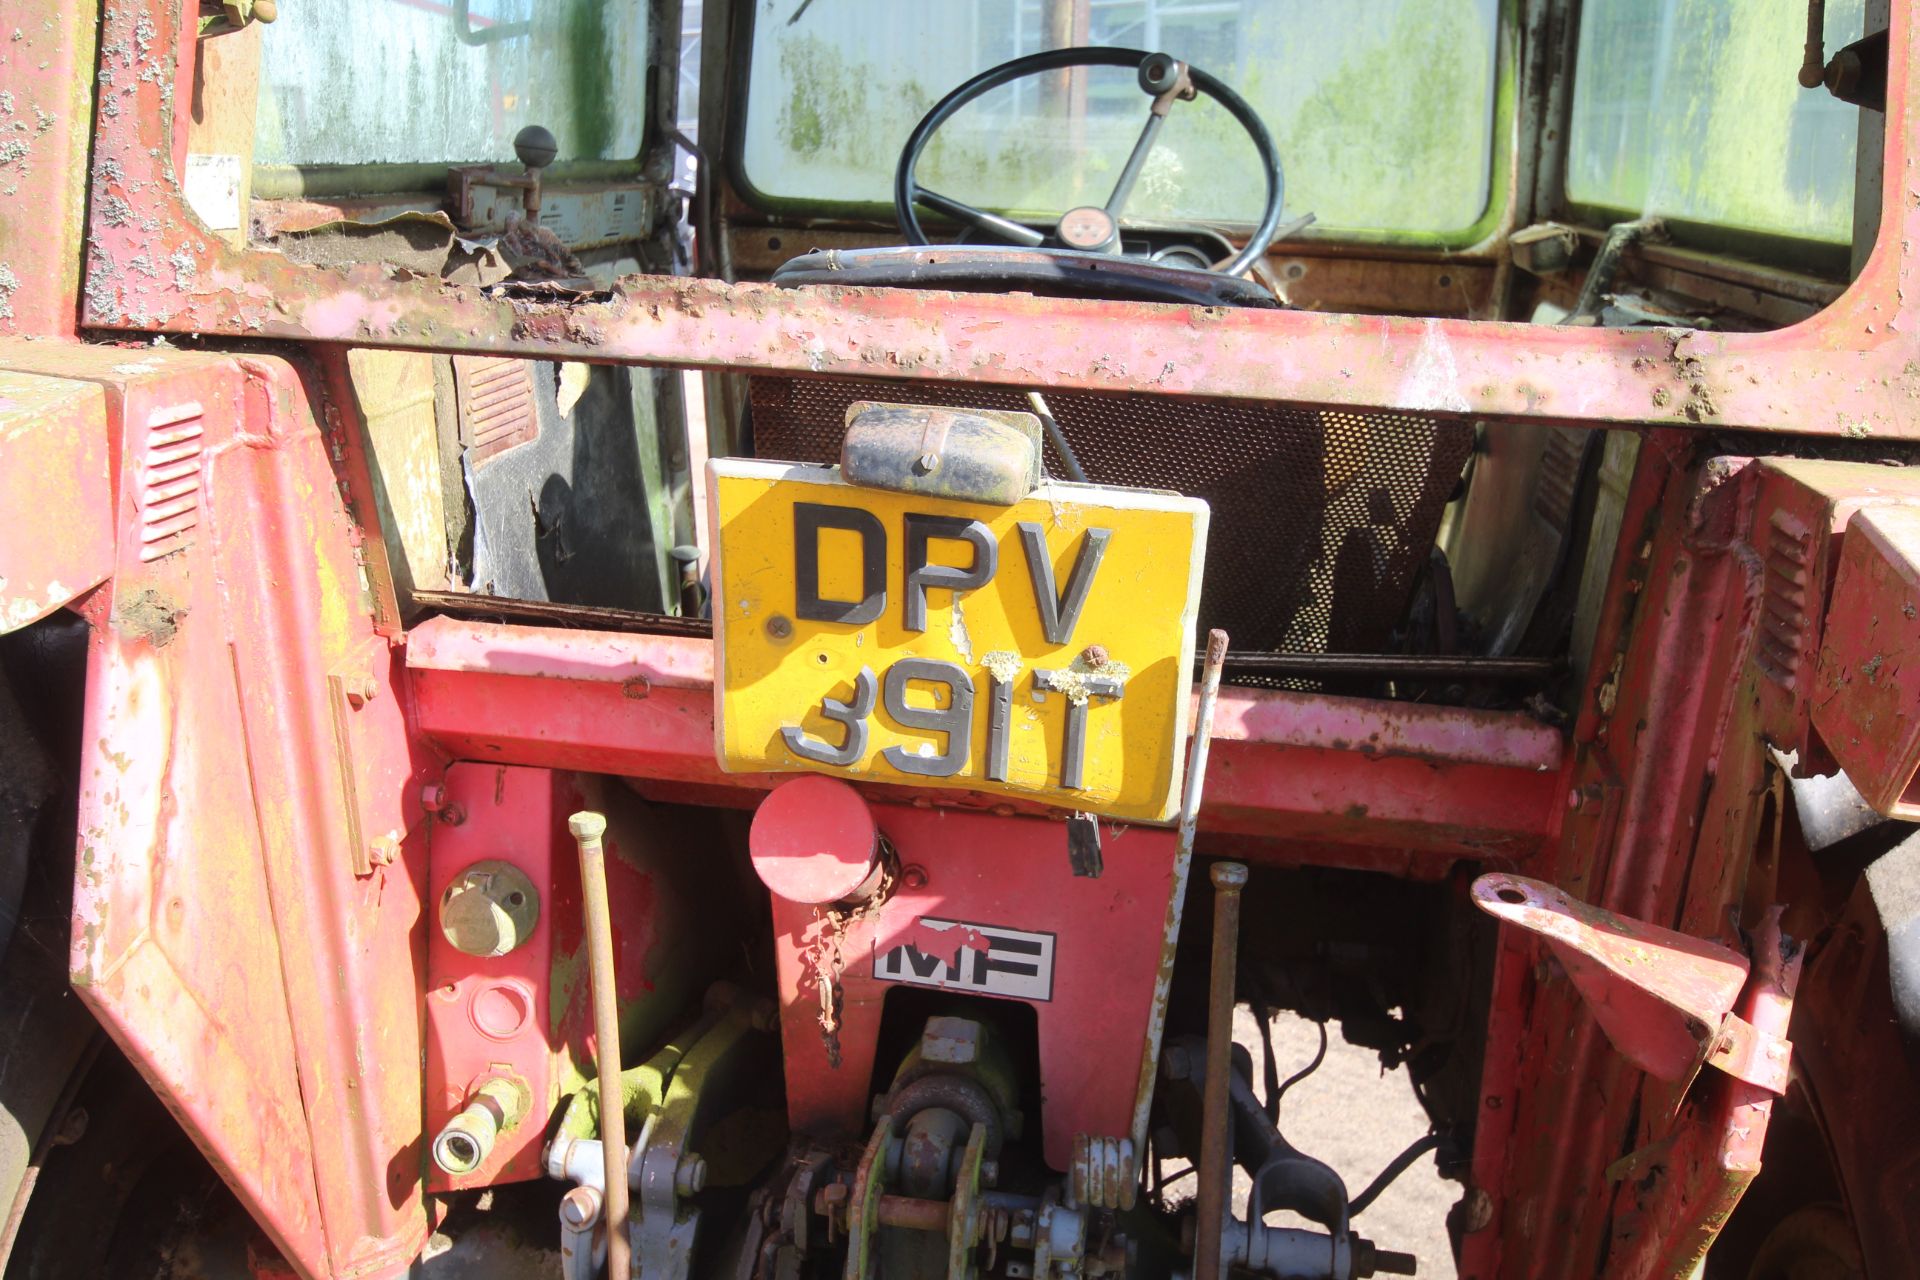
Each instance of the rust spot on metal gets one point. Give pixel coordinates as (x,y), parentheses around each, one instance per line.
(149,614)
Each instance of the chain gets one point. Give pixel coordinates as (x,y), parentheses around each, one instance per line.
(827,956)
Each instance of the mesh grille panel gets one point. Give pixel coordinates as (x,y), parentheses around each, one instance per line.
(1320,519)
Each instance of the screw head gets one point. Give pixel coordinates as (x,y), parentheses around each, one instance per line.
(779,627)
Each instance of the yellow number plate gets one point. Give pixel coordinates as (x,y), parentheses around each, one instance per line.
(1043,649)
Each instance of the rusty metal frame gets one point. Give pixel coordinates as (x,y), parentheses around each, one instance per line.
(1854,359)
(1348,778)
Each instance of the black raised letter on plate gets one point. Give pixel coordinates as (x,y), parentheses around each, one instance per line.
(809,518)
(955,719)
(852,714)
(921,575)
(1060,610)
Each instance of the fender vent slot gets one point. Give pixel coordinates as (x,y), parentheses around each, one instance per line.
(1554,492)
(1784,613)
(496,405)
(169,495)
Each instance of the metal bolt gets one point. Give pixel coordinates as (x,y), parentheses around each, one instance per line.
(1095,656)
(951,1040)
(433,797)
(913,876)
(361,690)
(580,1207)
(929,461)
(383,850)
(1176,1063)
(779,627)
(690,1176)
(1228,877)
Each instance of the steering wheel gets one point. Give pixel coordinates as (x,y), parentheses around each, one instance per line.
(1090,228)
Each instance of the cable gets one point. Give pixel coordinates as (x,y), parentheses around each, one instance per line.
(1264,1017)
(1301,1074)
(1401,1163)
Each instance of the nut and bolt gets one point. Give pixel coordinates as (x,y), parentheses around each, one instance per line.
(361,689)
(1585,799)
(383,850)
(434,799)
(690,1176)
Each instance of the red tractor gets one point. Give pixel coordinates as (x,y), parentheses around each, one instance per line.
(793,638)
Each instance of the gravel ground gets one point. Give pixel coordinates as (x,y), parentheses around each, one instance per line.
(1356,1118)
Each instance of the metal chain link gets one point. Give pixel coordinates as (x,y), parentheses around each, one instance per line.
(827,958)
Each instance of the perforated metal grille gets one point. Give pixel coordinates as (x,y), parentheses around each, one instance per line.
(1321,519)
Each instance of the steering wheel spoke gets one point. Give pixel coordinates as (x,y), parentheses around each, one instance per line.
(1163,77)
(1006,228)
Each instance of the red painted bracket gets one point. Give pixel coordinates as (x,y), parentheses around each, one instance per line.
(1665,1000)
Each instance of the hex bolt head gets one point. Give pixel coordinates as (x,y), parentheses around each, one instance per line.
(383,850)
(361,690)
(587,825)
(433,797)
(955,1041)
(1229,877)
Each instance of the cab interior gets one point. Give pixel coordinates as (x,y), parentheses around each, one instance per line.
(1671,163)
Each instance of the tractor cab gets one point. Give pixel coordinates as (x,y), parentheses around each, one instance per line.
(1035,639)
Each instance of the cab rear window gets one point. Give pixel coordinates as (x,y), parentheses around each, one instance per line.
(349,82)
(1382,110)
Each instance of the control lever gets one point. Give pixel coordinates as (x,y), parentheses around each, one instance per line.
(534,146)
(588,828)
(1216,1144)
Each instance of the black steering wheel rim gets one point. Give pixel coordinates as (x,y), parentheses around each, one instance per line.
(906,188)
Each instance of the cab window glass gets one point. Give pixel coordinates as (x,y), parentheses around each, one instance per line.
(400,81)
(1382,110)
(1691,109)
